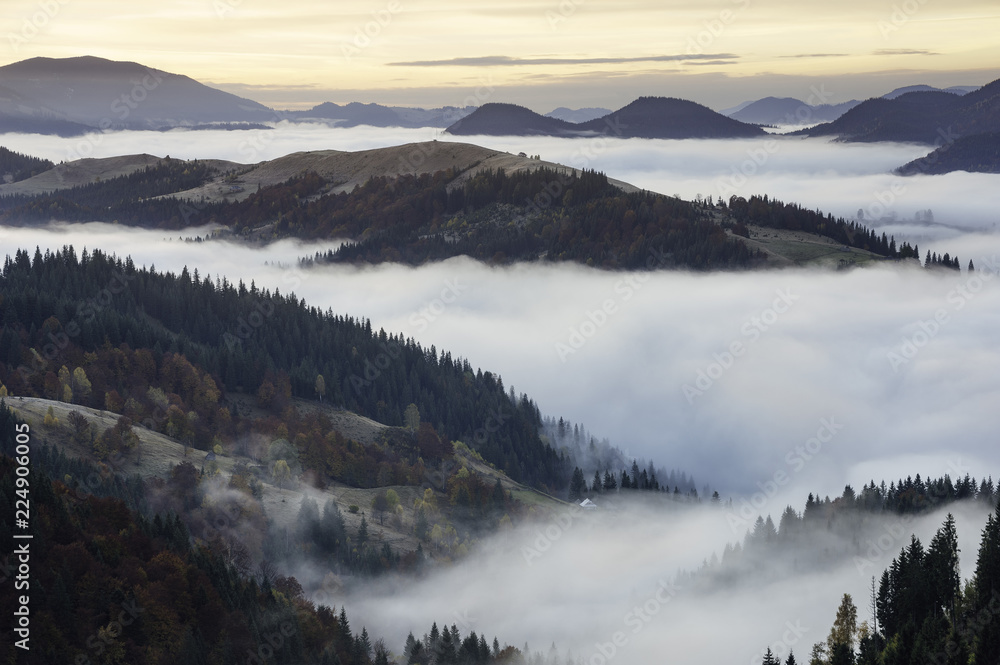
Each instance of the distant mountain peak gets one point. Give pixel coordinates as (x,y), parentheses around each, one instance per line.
(645,117)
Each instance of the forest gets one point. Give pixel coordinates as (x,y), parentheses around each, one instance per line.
(130,199)
(134,331)
(771,213)
(527,216)
(115,582)
(16,167)
(923,612)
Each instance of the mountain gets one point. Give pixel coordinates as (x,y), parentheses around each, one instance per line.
(57,95)
(577,115)
(669,118)
(733,109)
(920,117)
(21,115)
(510,120)
(789,111)
(646,117)
(978,153)
(955,90)
(377,115)
(427,202)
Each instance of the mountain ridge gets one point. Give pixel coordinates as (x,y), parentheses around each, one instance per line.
(931,117)
(646,117)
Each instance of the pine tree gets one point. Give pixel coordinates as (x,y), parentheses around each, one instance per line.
(577,485)
(362,532)
(986,585)
(942,567)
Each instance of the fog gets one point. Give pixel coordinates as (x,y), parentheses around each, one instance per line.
(765,385)
(577,581)
(840,178)
(900,362)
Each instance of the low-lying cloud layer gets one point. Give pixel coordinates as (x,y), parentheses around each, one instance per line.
(816,173)
(827,377)
(765,385)
(603,586)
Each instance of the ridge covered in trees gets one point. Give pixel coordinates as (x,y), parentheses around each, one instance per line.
(524,216)
(772,213)
(109,584)
(923,613)
(20,167)
(198,339)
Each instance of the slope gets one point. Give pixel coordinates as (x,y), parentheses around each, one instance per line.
(90,170)
(510,120)
(119,95)
(669,118)
(933,117)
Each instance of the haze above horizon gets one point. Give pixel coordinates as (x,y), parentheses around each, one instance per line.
(541,54)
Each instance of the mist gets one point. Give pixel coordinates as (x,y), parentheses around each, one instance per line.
(818,378)
(578,579)
(764,385)
(839,178)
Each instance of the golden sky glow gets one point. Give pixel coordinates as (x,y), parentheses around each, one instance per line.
(542,53)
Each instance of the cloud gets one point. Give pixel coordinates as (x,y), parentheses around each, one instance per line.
(816,55)
(828,356)
(904,51)
(844,377)
(576,584)
(507,61)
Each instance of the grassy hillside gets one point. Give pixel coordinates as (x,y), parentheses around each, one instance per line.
(157,455)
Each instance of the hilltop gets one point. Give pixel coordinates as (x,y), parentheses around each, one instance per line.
(929,116)
(646,117)
(89,92)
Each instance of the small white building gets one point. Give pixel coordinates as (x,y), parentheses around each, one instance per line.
(587,504)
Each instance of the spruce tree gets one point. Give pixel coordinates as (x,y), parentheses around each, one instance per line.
(577,485)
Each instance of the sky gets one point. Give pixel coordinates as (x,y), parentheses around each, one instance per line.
(539,53)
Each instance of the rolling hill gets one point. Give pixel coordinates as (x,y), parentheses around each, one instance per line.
(577,115)
(157,454)
(979,153)
(932,117)
(789,111)
(510,120)
(67,94)
(377,115)
(955,90)
(669,118)
(646,117)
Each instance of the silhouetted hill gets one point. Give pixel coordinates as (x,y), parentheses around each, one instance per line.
(978,153)
(789,111)
(511,120)
(955,89)
(646,117)
(377,115)
(922,117)
(670,118)
(48,93)
(577,115)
